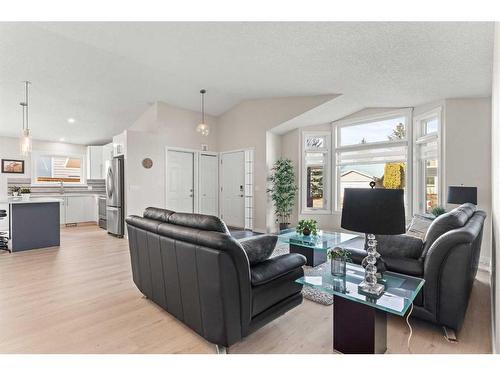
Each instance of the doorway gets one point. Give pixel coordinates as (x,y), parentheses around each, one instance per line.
(233,188)
(180,181)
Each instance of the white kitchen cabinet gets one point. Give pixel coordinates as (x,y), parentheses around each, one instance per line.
(62,211)
(81,209)
(75,209)
(107,156)
(95,166)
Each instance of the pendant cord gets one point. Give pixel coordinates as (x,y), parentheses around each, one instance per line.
(27,120)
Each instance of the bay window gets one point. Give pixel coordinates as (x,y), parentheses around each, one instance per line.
(427,152)
(372,150)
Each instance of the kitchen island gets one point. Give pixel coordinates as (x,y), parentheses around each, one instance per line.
(33,223)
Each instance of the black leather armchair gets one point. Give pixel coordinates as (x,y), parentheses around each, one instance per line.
(191,266)
(447,259)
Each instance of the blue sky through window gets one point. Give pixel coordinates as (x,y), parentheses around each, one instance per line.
(377,131)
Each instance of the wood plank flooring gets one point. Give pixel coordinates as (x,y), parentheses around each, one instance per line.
(80,298)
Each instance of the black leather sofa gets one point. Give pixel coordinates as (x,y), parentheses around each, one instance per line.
(191,266)
(447,259)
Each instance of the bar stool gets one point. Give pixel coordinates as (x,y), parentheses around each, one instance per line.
(4,239)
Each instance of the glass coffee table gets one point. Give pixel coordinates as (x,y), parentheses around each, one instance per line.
(360,321)
(314,248)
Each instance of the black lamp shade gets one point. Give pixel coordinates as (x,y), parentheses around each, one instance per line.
(374,211)
(462,194)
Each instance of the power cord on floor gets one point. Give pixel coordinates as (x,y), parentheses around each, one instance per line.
(409,326)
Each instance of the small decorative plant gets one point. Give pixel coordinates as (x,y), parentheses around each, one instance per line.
(25,190)
(437,211)
(307,227)
(339,253)
(15,190)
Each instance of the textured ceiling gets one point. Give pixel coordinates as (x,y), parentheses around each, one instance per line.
(105,74)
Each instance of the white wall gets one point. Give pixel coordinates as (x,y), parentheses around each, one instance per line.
(495,174)
(273,153)
(245,126)
(467,152)
(9,149)
(160,126)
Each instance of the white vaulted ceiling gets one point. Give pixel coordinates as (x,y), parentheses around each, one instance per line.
(105,74)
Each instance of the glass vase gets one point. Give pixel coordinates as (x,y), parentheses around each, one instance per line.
(338,266)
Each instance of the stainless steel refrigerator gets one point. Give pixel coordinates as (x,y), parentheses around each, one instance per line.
(115,197)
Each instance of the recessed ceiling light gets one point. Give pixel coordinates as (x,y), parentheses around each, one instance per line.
(71,120)
(61,139)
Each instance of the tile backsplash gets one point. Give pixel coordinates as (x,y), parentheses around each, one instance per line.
(98,187)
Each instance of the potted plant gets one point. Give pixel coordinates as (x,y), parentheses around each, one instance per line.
(15,190)
(437,211)
(25,192)
(307,227)
(283,190)
(339,258)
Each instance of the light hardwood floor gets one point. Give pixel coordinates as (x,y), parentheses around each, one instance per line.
(80,298)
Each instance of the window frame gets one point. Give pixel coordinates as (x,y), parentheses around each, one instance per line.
(421,137)
(83,174)
(336,131)
(327,150)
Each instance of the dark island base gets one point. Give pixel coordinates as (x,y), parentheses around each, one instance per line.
(34,225)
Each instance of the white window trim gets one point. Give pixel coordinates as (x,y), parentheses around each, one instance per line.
(327,194)
(337,125)
(421,138)
(82,157)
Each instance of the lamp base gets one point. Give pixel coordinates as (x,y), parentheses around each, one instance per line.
(373,290)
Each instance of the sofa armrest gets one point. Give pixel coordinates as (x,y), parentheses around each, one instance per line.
(274,268)
(259,248)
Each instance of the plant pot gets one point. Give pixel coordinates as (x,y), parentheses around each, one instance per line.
(284,226)
(306,232)
(338,267)
(15,193)
(25,196)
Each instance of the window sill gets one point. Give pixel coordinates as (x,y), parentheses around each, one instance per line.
(316,212)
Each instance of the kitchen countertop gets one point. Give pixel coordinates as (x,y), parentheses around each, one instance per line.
(16,200)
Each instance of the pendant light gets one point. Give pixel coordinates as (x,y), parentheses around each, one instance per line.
(25,140)
(203,128)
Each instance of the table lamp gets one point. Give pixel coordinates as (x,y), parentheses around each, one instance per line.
(462,194)
(373,211)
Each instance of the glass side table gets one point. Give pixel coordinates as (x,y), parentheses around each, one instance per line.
(360,321)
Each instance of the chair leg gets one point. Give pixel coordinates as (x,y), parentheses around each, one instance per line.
(450,335)
(221,349)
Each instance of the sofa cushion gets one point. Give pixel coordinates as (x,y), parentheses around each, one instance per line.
(275,268)
(259,248)
(454,219)
(406,266)
(419,226)
(143,223)
(198,221)
(402,246)
(155,213)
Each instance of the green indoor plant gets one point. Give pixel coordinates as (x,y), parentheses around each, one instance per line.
(25,192)
(339,258)
(15,190)
(283,190)
(437,211)
(307,227)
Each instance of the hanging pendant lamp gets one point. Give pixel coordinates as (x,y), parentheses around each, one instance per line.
(203,128)
(25,140)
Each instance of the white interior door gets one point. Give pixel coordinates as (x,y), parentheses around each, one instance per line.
(233,188)
(180,181)
(209,184)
